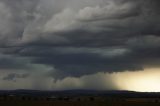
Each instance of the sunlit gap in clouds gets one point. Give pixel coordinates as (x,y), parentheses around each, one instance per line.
(147,80)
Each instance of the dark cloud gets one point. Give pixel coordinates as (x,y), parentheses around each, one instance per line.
(77,38)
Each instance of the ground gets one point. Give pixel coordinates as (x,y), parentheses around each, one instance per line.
(114,102)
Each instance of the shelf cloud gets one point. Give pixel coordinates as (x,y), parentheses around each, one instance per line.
(60,39)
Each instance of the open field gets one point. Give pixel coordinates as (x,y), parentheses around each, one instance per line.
(78,98)
(127,102)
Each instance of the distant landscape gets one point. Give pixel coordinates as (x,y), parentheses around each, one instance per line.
(77,98)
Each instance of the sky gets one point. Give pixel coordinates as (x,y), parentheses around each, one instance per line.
(80,44)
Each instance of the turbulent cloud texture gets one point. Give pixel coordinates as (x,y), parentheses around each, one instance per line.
(72,38)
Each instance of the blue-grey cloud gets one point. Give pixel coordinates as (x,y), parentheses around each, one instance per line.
(77,38)
(14,76)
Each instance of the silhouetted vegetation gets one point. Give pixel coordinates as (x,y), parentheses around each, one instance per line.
(22,99)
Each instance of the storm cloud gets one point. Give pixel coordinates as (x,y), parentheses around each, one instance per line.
(75,38)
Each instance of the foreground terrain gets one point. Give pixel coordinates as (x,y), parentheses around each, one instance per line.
(78,98)
(82,102)
(78,103)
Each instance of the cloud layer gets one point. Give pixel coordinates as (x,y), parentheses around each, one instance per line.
(60,39)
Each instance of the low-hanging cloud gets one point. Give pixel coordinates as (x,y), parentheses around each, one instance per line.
(75,38)
(14,76)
